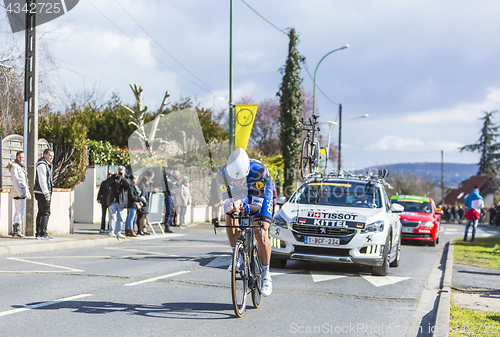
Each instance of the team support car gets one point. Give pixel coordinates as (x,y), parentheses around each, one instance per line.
(338,219)
(421,219)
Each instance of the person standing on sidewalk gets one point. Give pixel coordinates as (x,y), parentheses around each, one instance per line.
(135,202)
(43,193)
(169,200)
(19,191)
(146,186)
(117,200)
(102,198)
(183,196)
(474,203)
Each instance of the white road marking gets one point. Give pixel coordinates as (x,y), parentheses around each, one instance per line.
(141,251)
(451,229)
(15,311)
(43,264)
(156,278)
(380,281)
(320,276)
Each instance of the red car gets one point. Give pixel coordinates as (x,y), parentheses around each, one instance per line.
(421,220)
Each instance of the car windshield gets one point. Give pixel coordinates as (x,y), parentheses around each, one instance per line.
(416,206)
(339,193)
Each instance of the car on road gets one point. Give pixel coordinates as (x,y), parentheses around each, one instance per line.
(339,219)
(421,219)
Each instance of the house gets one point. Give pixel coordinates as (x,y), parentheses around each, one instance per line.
(488,188)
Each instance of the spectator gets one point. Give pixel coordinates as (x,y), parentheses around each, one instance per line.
(135,201)
(183,200)
(447,213)
(482,220)
(169,201)
(19,191)
(117,201)
(145,185)
(493,214)
(43,193)
(175,179)
(102,198)
(497,218)
(215,200)
(474,203)
(461,214)
(453,213)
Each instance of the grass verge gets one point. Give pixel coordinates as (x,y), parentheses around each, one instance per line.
(483,252)
(464,322)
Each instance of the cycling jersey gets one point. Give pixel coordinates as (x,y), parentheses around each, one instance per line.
(256,193)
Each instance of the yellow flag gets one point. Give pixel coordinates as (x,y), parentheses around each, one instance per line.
(244,116)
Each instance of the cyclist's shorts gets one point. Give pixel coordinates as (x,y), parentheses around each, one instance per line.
(266,212)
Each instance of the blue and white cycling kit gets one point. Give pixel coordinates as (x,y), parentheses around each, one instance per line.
(256,193)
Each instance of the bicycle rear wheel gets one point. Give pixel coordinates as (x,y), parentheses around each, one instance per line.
(256,271)
(239,280)
(305,158)
(314,159)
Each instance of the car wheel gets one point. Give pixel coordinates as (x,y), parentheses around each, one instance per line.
(395,263)
(278,263)
(433,243)
(383,270)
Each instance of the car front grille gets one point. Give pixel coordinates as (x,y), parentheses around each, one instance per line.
(321,251)
(320,230)
(410,223)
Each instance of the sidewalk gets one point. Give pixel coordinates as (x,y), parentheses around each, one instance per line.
(84,235)
(474,287)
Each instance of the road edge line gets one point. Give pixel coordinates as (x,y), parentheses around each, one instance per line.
(444,306)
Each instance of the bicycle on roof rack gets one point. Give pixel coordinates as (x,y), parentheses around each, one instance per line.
(245,275)
(309,153)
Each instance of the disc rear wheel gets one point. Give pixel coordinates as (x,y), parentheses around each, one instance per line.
(239,280)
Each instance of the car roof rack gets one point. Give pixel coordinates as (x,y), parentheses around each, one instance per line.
(370,176)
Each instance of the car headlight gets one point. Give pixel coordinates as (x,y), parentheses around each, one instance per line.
(428,224)
(278,221)
(377,226)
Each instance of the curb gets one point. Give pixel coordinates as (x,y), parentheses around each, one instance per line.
(74,244)
(443,310)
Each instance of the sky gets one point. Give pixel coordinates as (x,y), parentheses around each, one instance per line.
(424,70)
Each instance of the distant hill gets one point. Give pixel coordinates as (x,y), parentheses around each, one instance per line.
(454,173)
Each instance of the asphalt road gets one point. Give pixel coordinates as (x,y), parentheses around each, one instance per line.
(180,285)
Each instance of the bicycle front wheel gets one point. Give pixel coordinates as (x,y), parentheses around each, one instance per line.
(239,279)
(256,268)
(305,158)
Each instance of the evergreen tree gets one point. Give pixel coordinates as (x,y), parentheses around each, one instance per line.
(290,113)
(487,145)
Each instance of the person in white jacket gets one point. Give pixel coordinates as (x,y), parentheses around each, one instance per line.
(19,192)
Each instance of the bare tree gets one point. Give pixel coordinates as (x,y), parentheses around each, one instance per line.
(408,183)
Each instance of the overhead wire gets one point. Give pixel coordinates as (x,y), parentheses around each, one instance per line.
(154,56)
(162,48)
(284,32)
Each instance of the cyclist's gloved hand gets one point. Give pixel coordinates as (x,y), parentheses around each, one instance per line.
(246,209)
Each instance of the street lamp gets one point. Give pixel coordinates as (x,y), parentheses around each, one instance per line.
(330,125)
(316,70)
(340,134)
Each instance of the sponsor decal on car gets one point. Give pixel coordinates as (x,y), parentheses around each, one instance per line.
(332,219)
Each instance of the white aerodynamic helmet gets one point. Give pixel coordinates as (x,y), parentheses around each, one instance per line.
(238,164)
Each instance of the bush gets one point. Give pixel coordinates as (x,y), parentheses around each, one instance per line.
(68,137)
(103,153)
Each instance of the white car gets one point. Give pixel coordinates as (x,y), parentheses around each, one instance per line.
(338,219)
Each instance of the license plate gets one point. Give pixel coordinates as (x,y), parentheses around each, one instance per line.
(321,241)
(407,230)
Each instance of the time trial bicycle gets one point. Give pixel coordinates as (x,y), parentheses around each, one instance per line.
(246,266)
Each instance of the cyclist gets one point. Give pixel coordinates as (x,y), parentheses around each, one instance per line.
(247,188)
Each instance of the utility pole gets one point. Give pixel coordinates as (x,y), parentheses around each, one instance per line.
(340,138)
(442,178)
(31,110)
(231,106)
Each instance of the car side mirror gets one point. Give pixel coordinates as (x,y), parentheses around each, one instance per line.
(280,201)
(397,208)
